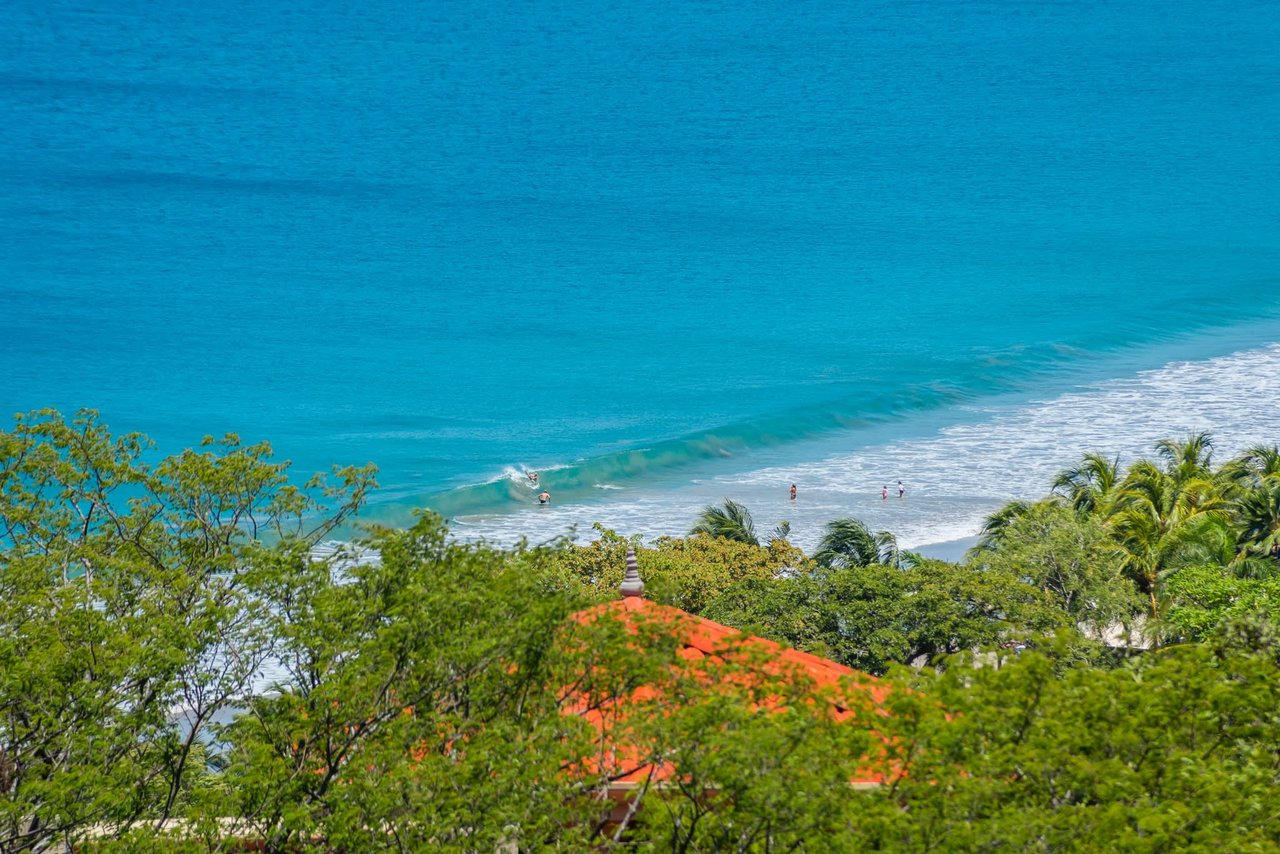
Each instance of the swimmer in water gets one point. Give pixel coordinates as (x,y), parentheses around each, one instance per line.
(793,492)
(533,477)
(544,497)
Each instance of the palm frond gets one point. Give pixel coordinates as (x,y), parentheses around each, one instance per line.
(1187,458)
(731,522)
(1090,484)
(997,524)
(850,543)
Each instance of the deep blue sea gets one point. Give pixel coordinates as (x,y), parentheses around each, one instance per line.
(660,253)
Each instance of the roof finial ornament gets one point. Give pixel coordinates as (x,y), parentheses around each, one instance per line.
(631,585)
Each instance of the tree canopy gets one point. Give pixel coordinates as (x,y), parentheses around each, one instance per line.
(182,669)
(1174,525)
(125,594)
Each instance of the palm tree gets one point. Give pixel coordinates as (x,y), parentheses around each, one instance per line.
(1258,525)
(730,522)
(1255,465)
(781,531)
(1187,459)
(850,543)
(1091,485)
(1159,513)
(998,523)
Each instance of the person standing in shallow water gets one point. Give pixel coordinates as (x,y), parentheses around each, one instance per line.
(902,490)
(884,493)
(793,492)
(544,497)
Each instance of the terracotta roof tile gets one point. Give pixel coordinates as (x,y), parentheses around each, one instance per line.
(703,640)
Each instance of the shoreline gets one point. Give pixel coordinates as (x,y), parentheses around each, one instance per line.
(952,551)
(956,473)
(737,450)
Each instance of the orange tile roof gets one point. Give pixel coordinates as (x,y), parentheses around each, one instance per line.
(704,641)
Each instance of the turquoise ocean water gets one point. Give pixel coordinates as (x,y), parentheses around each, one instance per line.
(662,254)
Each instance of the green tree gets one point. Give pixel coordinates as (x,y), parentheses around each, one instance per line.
(1071,558)
(1188,459)
(122,597)
(873,616)
(1202,599)
(1253,466)
(849,542)
(421,706)
(1173,751)
(1257,516)
(448,697)
(1091,485)
(1168,515)
(765,762)
(730,522)
(995,525)
(687,573)
(1162,511)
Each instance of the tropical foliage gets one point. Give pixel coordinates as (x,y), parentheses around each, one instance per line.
(848,542)
(1167,752)
(730,522)
(1172,524)
(127,591)
(1068,556)
(430,695)
(870,618)
(687,573)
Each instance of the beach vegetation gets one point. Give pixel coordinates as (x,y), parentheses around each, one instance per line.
(1092,485)
(1170,751)
(686,572)
(849,542)
(129,619)
(415,697)
(1069,556)
(182,667)
(1182,531)
(873,617)
(730,521)
(1257,514)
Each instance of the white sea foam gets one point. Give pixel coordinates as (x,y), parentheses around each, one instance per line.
(961,473)
(518,476)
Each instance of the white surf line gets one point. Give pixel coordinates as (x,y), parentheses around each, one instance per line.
(961,474)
